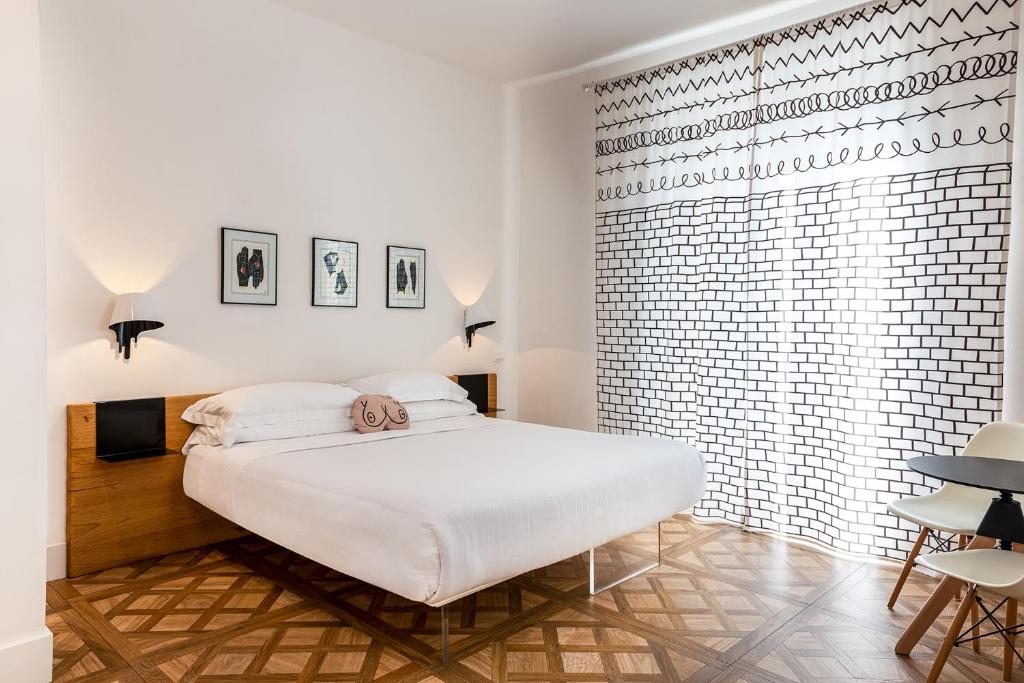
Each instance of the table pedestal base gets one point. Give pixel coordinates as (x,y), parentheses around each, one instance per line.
(1003,520)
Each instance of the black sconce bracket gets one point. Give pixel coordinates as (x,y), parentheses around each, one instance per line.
(128,331)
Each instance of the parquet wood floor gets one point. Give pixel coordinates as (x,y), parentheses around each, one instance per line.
(725,607)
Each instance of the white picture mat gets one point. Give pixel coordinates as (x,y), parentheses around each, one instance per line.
(251,247)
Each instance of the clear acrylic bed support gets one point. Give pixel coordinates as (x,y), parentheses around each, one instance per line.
(594,589)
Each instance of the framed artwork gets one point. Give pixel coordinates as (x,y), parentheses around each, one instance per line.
(407,277)
(248,267)
(335,273)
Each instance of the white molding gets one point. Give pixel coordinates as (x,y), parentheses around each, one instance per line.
(56,561)
(509,267)
(29,660)
(1013,320)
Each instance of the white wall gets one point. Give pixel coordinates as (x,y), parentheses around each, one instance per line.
(556,255)
(25,644)
(557,340)
(168,120)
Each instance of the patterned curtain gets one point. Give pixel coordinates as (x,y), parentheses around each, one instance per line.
(801,257)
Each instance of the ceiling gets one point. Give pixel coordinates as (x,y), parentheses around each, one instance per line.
(513,40)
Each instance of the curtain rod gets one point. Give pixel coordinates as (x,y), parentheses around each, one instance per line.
(588,86)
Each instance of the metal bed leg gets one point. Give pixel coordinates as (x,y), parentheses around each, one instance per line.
(444,634)
(595,588)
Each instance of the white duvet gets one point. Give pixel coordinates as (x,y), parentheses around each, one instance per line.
(450,506)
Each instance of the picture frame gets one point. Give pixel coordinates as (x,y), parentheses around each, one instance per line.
(248,267)
(406,277)
(335,273)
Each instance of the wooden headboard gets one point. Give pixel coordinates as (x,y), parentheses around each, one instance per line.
(121,512)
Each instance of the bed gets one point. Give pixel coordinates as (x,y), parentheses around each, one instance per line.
(448,507)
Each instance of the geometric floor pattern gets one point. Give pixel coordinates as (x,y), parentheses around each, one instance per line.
(725,606)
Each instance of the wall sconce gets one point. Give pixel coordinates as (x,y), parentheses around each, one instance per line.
(477,316)
(133,314)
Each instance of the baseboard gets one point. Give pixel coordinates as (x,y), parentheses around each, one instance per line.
(29,660)
(56,561)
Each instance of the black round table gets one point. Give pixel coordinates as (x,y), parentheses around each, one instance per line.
(1004,519)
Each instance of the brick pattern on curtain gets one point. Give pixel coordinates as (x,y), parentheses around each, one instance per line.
(801,258)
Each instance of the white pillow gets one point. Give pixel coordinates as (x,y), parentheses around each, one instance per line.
(292,408)
(211,436)
(410,386)
(421,411)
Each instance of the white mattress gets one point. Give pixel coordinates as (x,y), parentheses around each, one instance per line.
(450,506)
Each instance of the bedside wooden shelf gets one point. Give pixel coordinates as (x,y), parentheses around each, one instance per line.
(127,510)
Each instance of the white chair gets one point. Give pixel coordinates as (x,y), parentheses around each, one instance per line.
(955,509)
(998,571)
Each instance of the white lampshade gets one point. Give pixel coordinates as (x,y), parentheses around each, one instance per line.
(133,314)
(477,315)
(134,306)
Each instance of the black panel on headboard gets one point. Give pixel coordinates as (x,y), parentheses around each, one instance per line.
(476,385)
(130,429)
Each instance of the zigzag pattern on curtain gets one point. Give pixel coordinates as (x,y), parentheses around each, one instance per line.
(801,259)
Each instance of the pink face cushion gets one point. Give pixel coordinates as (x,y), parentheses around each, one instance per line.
(374,413)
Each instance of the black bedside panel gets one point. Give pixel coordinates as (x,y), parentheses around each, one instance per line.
(130,429)
(476,385)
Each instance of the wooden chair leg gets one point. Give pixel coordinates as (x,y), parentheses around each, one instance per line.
(1008,656)
(954,630)
(907,566)
(976,631)
(962,545)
